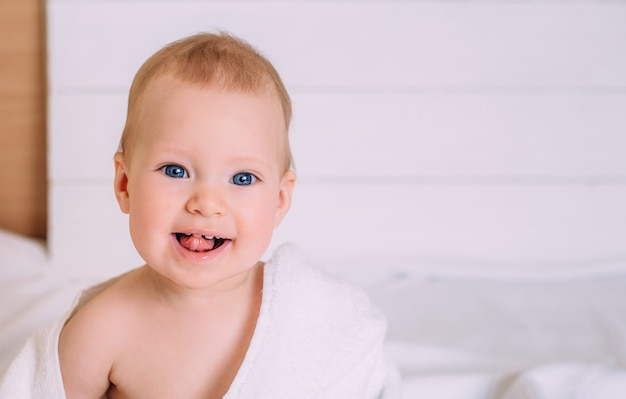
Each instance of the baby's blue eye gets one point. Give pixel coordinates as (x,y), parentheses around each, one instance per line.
(175,171)
(243,179)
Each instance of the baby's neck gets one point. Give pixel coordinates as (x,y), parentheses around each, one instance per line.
(236,288)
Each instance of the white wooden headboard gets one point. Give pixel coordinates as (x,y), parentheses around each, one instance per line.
(487,131)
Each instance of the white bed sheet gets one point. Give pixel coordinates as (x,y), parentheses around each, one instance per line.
(452,336)
(526,338)
(20,257)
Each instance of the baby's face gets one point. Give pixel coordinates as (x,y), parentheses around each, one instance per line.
(204,186)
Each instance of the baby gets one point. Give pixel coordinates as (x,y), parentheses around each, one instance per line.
(204,171)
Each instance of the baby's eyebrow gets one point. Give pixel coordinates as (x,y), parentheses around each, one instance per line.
(168,151)
(254,160)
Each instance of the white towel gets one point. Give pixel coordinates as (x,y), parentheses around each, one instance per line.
(315,338)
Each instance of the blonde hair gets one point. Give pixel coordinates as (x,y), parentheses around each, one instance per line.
(208,59)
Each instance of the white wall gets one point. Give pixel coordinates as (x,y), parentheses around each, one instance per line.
(473,130)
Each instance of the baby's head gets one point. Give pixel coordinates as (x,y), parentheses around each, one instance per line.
(208,60)
(204,165)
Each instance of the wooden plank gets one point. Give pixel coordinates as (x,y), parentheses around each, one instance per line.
(473,135)
(397,136)
(484,223)
(93,123)
(90,235)
(22,119)
(20,47)
(501,225)
(373,45)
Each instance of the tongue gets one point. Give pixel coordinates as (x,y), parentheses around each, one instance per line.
(197,244)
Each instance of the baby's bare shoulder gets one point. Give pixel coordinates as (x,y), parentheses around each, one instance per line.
(99,313)
(105,302)
(92,338)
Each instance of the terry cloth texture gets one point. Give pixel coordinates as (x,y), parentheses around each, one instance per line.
(315,337)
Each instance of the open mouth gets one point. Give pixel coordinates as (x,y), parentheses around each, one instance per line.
(198,242)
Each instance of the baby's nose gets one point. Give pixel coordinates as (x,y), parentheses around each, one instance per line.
(206,200)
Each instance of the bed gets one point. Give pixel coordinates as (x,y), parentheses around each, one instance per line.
(453,334)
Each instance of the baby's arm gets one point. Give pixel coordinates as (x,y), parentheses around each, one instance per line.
(86,355)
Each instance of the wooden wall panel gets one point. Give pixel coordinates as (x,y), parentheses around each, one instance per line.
(485,131)
(367,45)
(23,205)
(576,137)
(520,227)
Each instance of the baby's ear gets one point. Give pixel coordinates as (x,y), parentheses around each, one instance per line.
(120,183)
(284,196)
